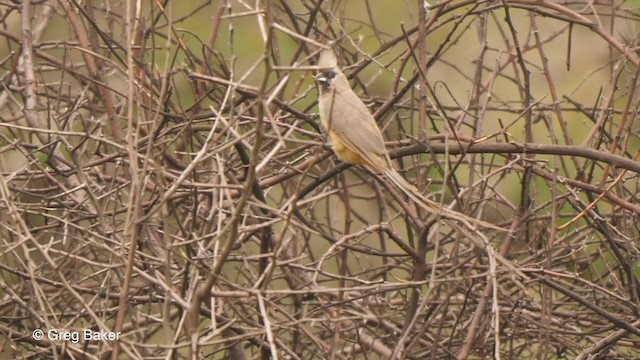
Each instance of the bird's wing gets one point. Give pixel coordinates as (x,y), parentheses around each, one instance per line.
(351,120)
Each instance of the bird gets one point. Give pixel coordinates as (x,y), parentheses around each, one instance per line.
(357,139)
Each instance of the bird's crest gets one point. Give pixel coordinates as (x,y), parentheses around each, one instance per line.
(328,59)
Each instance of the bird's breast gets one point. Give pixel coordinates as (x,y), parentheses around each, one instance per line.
(343,152)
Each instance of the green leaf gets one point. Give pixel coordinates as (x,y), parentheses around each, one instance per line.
(43,158)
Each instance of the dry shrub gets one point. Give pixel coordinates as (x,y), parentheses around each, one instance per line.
(164,175)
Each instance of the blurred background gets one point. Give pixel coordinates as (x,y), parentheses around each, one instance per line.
(164,174)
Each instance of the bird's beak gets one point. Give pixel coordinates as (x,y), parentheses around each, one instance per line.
(321,78)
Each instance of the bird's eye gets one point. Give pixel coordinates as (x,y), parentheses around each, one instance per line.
(331,74)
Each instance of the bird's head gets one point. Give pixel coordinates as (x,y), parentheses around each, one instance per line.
(330,78)
(325,80)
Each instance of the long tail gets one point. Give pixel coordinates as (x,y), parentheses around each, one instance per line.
(432,206)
